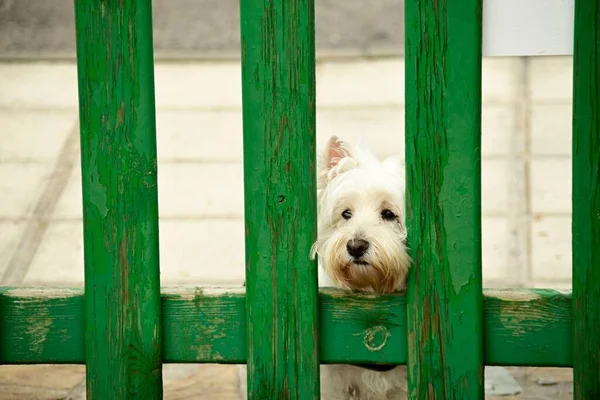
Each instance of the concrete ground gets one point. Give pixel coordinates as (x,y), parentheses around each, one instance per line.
(526,186)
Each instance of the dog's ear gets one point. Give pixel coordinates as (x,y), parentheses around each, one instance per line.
(337,158)
(337,150)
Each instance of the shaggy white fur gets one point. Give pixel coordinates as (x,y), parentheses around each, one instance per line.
(361,199)
(361,220)
(348,382)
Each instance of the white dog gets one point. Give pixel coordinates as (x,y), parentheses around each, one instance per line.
(360,247)
(361,220)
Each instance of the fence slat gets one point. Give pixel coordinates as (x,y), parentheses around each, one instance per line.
(119,176)
(278,70)
(443,127)
(586,201)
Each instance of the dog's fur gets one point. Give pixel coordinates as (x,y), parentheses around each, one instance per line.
(361,198)
(360,247)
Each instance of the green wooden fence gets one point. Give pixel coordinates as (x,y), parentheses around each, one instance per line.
(446,328)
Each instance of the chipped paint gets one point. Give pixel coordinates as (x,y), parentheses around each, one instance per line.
(524,295)
(208,332)
(506,295)
(38,326)
(185,292)
(375,338)
(517,331)
(459,283)
(47,293)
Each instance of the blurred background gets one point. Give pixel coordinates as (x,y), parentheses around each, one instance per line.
(526,178)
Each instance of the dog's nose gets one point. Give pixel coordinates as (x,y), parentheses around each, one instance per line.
(357,247)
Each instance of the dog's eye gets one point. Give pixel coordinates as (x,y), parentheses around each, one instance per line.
(347,214)
(388,215)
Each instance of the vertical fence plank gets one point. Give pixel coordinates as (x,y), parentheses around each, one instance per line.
(278,70)
(119,176)
(443,127)
(586,201)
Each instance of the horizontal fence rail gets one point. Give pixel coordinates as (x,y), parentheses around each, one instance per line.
(520,327)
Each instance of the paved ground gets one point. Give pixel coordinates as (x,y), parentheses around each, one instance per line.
(58,382)
(221,382)
(526,182)
(203,28)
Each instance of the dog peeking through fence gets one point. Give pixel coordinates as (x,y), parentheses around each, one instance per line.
(361,246)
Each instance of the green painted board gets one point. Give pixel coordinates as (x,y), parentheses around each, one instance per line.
(443,162)
(120,199)
(530,327)
(521,327)
(278,92)
(586,201)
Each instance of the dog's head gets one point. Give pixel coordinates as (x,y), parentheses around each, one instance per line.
(361,241)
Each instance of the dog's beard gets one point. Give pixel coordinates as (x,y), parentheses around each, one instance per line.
(383,269)
(367,277)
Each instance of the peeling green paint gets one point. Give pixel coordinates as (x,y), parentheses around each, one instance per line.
(375,338)
(278,93)
(443,170)
(120,199)
(521,327)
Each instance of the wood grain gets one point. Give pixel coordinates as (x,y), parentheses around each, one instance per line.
(119,178)
(586,201)
(278,92)
(521,327)
(527,327)
(443,160)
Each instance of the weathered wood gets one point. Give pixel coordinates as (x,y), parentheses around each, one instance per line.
(527,327)
(443,160)
(119,175)
(278,91)
(586,201)
(521,327)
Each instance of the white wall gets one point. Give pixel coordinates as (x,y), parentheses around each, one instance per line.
(527,27)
